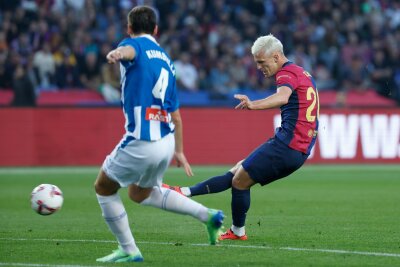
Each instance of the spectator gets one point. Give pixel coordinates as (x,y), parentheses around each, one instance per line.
(44,64)
(5,71)
(3,42)
(67,73)
(90,76)
(356,75)
(221,84)
(238,72)
(353,77)
(24,91)
(354,48)
(186,73)
(22,45)
(381,74)
(110,87)
(323,77)
(299,57)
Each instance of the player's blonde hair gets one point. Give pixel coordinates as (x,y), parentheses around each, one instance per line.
(267,44)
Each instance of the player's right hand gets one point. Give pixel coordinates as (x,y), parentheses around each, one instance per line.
(244,101)
(114,56)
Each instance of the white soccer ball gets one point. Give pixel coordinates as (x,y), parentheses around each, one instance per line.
(46,199)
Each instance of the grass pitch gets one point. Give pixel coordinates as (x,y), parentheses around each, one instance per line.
(319,216)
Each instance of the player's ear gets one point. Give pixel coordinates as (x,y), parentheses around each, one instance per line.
(155,32)
(276,57)
(129,29)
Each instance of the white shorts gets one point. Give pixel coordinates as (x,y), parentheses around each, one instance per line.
(140,162)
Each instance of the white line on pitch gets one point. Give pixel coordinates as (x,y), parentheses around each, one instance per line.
(335,251)
(43,265)
(94,169)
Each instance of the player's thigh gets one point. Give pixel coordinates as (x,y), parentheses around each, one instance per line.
(271,161)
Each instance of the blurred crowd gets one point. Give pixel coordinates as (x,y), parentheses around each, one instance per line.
(62,44)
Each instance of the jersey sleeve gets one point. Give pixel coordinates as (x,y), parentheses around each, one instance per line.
(171,103)
(286,78)
(135,45)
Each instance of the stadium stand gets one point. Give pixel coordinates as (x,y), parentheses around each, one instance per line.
(349,46)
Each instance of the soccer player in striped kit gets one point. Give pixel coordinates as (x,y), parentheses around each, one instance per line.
(153,137)
(284,153)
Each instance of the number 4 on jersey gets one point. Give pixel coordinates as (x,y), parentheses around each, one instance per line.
(161,85)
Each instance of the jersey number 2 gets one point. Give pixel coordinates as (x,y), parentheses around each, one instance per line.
(161,85)
(312,95)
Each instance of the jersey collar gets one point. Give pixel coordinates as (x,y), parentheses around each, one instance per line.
(287,63)
(148,36)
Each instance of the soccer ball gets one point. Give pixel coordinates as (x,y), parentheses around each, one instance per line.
(46,199)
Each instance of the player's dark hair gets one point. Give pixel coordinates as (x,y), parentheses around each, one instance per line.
(142,19)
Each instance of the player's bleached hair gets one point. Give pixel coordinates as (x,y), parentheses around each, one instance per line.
(267,44)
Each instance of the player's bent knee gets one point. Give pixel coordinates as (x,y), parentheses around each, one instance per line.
(102,189)
(236,167)
(137,194)
(98,187)
(237,184)
(104,186)
(242,180)
(134,197)
(138,198)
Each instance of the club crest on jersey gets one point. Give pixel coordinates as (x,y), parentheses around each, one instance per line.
(156,114)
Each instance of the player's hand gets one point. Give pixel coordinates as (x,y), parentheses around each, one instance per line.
(182,161)
(114,56)
(244,102)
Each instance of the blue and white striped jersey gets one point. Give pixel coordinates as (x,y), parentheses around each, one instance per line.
(148,90)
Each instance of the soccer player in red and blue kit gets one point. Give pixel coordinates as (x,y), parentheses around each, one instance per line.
(284,153)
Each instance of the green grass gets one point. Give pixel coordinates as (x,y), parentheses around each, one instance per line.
(319,216)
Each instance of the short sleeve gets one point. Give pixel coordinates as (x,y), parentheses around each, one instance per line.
(286,78)
(171,103)
(133,43)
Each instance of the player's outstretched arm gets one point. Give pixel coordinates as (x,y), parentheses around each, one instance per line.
(280,98)
(179,155)
(121,53)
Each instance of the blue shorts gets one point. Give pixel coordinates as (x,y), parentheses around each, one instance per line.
(273,160)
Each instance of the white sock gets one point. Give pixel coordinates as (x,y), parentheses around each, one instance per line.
(186,191)
(172,201)
(239,231)
(115,216)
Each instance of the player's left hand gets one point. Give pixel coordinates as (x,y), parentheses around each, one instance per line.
(182,161)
